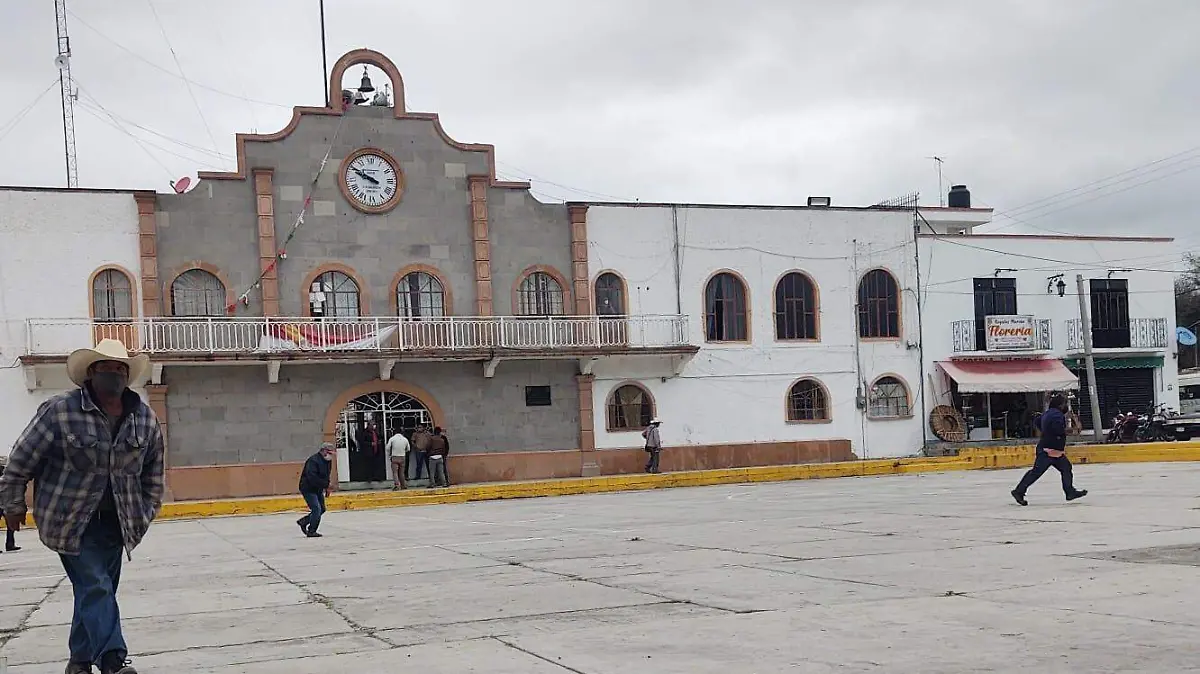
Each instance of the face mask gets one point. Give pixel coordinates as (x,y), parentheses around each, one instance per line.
(109,383)
(327,457)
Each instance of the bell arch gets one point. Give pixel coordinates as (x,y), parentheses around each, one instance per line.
(371,57)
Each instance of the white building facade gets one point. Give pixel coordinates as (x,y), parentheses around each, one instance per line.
(1002,321)
(57,246)
(805,317)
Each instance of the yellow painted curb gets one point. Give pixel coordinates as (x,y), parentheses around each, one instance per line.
(968,459)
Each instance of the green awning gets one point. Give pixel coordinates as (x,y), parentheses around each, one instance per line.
(1116,363)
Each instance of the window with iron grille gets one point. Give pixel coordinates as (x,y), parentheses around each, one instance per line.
(334,295)
(629,408)
(537,396)
(807,402)
(197,292)
(888,399)
(796,307)
(878,306)
(112,296)
(421,295)
(610,295)
(539,295)
(725,309)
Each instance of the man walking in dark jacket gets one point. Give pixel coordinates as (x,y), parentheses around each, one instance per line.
(1051,451)
(314,487)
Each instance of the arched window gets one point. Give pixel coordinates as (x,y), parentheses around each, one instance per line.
(878,306)
(725,309)
(197,292)
(807,402)
(112,296)
(888,399)
(796,307)
(610,295)
(334,295)
(629,408)
(539,294)
(421,295)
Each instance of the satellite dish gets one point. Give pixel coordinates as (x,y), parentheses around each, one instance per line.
(1185,337)
(180,186)
(62,61)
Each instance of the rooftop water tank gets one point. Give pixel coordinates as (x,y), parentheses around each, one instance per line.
(960,197)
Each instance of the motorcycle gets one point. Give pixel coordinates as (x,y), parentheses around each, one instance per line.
(1151,426)
(1124,428)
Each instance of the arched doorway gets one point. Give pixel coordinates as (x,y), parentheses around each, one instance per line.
(361,420)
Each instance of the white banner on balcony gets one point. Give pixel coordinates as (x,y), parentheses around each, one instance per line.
(325,337)
(1010,333)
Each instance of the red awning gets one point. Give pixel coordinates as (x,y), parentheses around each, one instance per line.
(1010,376)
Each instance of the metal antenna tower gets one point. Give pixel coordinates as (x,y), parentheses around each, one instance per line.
(69,94)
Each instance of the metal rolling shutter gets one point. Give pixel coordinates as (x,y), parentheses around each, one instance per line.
(1126,389)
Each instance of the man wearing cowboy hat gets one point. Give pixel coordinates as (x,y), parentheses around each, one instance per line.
(653,444)
(95,455)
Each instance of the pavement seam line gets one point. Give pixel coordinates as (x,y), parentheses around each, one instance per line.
(543,658)
(23,623)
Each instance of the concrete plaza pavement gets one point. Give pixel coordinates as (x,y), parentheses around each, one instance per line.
(921,573)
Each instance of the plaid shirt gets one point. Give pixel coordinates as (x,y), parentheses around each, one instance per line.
(71,456)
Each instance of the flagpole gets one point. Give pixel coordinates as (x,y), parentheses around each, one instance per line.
(324,56)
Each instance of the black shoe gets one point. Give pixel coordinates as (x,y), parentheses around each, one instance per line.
(114,662)
(1079,493)
(312,534)
(1019,498)
(13,548)
(79,668)
(303,522)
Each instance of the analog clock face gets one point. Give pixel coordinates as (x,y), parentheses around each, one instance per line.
(371,180)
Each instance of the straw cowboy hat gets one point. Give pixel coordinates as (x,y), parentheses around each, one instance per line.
(108,349)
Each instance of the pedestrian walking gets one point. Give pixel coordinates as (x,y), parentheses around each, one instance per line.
(420,449)
(397,448)
(1051,451)
(10,534)
(438,447)
(314,487)
(96,457)
(653,444)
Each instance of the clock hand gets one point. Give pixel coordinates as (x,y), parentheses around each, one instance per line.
(364,175)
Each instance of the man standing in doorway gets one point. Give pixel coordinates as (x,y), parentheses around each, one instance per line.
(439,446)
(653,444)
(397,447)
(420,448)
(95,456)
(314,487)
(1051,451)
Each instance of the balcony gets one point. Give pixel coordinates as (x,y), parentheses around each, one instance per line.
(1026,334)
(385,339)
(1144,334)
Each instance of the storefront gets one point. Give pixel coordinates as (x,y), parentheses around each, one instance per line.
(1125,384)
(998,399)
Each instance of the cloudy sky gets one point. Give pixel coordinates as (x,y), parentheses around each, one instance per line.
(753,101)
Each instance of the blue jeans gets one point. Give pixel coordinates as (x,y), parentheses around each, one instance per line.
(95,573)
(316,508)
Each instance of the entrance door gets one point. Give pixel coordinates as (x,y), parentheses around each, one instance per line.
(363,429)
(993,297)
(1110,313)
(1127,390)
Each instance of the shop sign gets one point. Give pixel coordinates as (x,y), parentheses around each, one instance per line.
(1010,333)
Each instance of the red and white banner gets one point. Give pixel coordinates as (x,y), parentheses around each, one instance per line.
(325,337)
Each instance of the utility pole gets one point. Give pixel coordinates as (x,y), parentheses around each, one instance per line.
(1085,323)
(324,56)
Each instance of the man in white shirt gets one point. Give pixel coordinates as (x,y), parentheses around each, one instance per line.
(397,447)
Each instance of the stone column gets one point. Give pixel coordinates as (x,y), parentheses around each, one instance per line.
(580,279)
(590,467)
(157,395)
(264,192)
(483,255)
(148,250)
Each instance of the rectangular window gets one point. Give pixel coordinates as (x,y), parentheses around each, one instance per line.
(1110,313)
(537,396)
(993,297)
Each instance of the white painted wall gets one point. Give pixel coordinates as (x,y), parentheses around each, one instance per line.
(733,393)
(949,265)
(52,242)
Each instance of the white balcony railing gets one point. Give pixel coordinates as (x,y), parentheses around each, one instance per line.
(1144,333)
(57,336)
(964,337)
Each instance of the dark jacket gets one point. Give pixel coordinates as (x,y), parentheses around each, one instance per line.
(439,445)
(1053,425)
(315,476)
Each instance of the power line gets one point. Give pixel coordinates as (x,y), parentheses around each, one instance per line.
(137,140)
(187,83)
(1075,265)
(162,135)
(112,122)
(7,127)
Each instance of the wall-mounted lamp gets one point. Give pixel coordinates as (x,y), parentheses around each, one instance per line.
(1056,282)
(1000,271)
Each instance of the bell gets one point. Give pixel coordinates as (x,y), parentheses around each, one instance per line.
(366,87)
